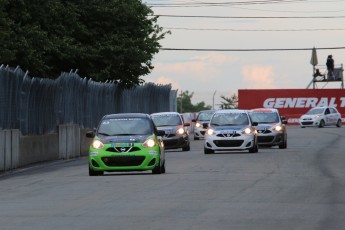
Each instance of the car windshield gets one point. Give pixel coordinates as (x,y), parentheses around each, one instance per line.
(229,119)
(315,111)
(265,117)
(205,116)
(125,126)
(167,120)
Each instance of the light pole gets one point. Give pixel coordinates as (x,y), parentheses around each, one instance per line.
(213,99)
(181,101)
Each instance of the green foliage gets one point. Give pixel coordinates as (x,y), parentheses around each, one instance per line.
(187,105)
(103,39)
(229,102)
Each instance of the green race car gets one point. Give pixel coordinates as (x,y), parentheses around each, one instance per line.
(126,142)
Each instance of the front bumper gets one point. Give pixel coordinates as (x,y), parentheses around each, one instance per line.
(309,123)
(199,132)
(270,139)
(107,159)
(176,141)
(243,142)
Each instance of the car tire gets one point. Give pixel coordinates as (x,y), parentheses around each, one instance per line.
(339,123)
(322,124)
(186,148)
(284,144)
(163,167)
(208,151)
(159,169)
(254,149)
(95,173)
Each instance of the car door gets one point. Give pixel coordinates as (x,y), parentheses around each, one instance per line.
(328,117)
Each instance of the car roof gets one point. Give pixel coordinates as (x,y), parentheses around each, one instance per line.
(127,115)
(207,111)
(165,113)
(231,111)
(264,110)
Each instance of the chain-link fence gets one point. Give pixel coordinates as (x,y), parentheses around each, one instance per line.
(38,106)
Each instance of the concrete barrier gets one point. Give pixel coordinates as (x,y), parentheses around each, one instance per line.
(9,149)
(17,150)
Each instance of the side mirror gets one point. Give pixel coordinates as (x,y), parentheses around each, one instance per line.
(161,133)
(187,124)
(205,125)
(255,123)
(90,134)
(284,122)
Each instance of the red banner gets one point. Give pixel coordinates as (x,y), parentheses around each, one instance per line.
(292,103)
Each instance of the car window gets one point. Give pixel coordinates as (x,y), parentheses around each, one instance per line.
(205,116)
(265,117)
(333,110)
(167,120)
(315,111)
(229,119)
(327,111)
(125,126)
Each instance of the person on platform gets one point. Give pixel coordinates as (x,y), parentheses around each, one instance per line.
(330,68)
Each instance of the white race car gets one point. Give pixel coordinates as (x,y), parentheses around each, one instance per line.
(202,118)
(271,127)
(320,117)
(231,130)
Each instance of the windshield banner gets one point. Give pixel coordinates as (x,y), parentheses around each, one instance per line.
(292,103)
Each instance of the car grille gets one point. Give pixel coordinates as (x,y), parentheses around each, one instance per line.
(228,135)
(264,131)
(123,160)
(265,138)
(306,122)
(122,149)
(228,143)
(169,135)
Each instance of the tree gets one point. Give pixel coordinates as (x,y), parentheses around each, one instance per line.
(103,39)
(229,102)
(187,105)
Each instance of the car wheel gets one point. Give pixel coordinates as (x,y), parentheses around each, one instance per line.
(284,144)
(322,124)
(95,173)
(186,148)
(339,123)
(163,167)
(254,149)
(196,138)
(208,151)
(158,169)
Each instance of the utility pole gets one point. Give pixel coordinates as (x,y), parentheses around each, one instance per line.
(213,99)
(181,101)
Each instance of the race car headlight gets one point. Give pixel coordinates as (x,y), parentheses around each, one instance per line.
(180,131)
(198,125)
(317,116)
(211,132)
(97,144)
(149,143)
(278,128)
(247,131)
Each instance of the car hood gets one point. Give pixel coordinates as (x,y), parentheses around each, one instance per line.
(305,116)
(229,128)
(266,126)
(125,139)
(169,129)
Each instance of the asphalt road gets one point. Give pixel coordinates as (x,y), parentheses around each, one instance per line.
(301,187)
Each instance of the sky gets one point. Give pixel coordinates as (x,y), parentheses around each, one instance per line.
(268,44)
